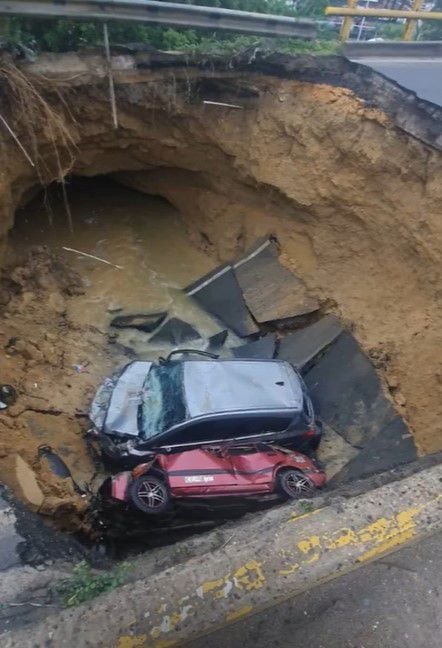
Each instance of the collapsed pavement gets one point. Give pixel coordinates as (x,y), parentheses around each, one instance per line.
(345,182)
(362,425)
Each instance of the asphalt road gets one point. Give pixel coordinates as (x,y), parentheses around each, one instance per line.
(395,602)
(422,76)
(9,539)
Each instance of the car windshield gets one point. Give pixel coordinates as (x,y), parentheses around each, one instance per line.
(163,399)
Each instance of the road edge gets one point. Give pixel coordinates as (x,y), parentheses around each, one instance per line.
(205,593)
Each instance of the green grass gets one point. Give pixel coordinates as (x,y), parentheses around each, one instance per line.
(85,584)
(306,507)
(232,47)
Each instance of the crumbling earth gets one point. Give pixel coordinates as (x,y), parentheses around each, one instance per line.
(40,349)
(349,187)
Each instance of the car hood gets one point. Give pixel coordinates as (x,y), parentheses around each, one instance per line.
(114,409)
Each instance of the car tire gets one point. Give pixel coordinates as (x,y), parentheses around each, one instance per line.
(149,494)
(294,484)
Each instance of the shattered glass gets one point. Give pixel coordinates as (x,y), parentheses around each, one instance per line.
(163,402)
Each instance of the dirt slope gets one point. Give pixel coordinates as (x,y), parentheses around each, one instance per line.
(40,345)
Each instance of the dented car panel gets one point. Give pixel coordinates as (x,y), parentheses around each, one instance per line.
(114,409)
(185,403)
(223,471)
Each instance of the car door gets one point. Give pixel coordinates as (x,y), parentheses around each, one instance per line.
(224,428)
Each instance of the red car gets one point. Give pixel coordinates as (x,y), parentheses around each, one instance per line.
(211,472)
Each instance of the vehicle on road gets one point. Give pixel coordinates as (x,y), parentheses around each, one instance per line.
(228,470)
(189,400)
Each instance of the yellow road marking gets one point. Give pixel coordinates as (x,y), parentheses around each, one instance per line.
(132,641)
(238,614)
(369,542)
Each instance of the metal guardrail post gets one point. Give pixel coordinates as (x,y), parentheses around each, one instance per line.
(410,15)
(347,23)
(410,27)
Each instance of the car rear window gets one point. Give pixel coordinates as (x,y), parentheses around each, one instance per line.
(162,399)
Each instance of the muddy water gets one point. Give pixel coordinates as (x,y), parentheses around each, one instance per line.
(143,234)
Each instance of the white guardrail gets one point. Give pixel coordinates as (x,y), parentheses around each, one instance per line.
(164,13)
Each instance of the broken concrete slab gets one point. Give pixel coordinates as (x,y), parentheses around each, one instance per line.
(265,347)
(334,451)
(175,332)
(146,322)
(270,290)
(27,483)
(303,345)
(219,293)
(217,341)
(347,393)
(392,446)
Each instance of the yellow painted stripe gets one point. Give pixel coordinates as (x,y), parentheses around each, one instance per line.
(238,614)
(230,590)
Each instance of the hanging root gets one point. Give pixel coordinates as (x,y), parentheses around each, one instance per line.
(33,114)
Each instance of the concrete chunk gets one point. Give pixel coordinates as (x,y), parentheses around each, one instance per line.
(219,293)
(27,482)
(263,348)
(302,346)
(217,341)
(393,446)
(347,393)
(175,331)
(270,290)
(146,322)
(334,452)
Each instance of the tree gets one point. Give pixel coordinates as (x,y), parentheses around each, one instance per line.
(432,30)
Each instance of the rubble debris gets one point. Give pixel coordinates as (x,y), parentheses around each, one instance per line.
(8,396)
(81,367)
(300,347)
(270,290)
(219,293)
(265,347)
(392,446)
(347,392)
(334,452)
(146,322)
(175,332)
(27,482)
(215,342)
(114,307)
(55,462)
(57,303)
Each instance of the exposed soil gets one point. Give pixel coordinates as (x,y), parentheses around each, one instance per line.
(56,343)
(40,345)
(353,199)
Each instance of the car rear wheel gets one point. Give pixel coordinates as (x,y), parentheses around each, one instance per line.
(149,494)
(294,484)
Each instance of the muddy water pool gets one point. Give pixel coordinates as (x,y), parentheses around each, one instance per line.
(143,234)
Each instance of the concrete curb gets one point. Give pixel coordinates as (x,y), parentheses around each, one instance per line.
(203,594)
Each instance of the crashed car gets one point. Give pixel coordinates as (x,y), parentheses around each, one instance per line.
(180,402)
(253,471)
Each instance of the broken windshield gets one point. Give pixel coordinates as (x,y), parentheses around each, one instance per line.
(163,399)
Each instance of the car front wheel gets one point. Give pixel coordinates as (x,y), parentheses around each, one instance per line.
(294,484)
(149,494)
